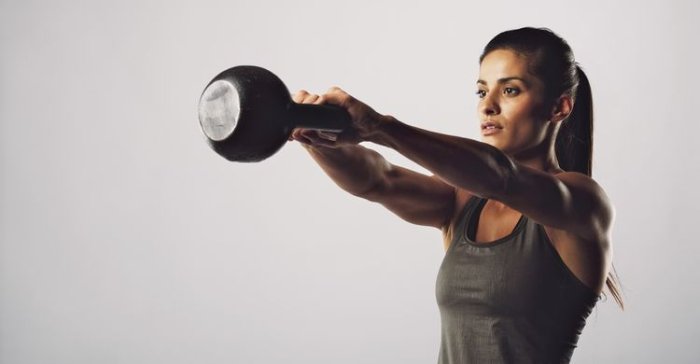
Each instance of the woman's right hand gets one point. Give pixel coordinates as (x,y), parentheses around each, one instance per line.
(311,137)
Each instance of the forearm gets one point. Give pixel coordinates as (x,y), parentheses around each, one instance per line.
(353,168)
(461,162)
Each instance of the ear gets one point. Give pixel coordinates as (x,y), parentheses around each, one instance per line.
(562,108)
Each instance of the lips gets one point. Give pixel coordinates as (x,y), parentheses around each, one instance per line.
(490,125)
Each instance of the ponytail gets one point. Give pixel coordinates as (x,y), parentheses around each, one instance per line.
(574,144)
(574,149)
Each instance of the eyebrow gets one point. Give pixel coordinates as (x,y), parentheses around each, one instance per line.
(504,80)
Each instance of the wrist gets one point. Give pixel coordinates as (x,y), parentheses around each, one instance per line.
(381,131)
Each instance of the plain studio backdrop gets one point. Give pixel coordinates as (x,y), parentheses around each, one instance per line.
(125,239)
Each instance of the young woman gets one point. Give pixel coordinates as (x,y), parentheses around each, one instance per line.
(527,231)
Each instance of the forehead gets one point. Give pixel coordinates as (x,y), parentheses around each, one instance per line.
(503,63)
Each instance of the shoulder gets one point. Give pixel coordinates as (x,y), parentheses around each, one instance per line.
(568,201)
(587,249)
(590,200)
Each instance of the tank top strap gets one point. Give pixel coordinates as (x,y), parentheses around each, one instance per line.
(464,217)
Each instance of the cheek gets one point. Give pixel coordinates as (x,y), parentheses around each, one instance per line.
(523,122)
(524,112)
(525,109)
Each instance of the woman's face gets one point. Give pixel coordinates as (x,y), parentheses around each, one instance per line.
(511,99)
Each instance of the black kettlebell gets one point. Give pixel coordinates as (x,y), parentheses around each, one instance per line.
(247,114)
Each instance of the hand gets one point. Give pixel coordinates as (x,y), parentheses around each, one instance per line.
(311,137)
(365,121)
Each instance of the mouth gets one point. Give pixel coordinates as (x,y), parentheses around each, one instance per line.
(490,127)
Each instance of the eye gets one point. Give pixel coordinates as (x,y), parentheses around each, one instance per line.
(480,93)
(511,91)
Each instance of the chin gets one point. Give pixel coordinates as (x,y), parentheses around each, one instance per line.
(490,141)
(500,146)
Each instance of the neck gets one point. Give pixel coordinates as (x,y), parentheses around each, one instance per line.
(543,156)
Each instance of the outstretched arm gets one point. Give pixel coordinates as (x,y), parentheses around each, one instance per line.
(569,201)
(415,197)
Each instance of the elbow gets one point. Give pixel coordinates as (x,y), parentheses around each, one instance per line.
(504,170)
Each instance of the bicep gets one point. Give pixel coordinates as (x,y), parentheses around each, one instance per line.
(415,197)
(568,201)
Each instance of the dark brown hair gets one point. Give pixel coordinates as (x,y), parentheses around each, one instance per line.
(552,61)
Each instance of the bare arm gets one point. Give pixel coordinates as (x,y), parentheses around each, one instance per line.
(415,197)
(568,201)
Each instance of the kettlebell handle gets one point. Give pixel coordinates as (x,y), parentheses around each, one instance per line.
(320,117)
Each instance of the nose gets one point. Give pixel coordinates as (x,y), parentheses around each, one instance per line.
(488,105)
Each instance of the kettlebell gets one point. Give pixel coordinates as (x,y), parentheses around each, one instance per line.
(247,114)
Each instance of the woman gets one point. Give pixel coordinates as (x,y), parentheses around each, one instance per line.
(527,231)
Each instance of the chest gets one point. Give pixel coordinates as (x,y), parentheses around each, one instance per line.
(583,259)
(494,223)
(513,275)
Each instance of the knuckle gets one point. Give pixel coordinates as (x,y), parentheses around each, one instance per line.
(310,98)
(340,95)
(299,95)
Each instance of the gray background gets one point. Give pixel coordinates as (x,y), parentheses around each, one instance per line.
(124,239)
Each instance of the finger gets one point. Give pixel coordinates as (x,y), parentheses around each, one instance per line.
(335,95)
(299,96)
(297,134)
(317,141)
(314,136)
(310,99)
(291,136)
(308,137)
(308,133)
(304,139)
(336,89)
(328,135)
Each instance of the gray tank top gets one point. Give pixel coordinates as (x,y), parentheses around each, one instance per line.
(512,300)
